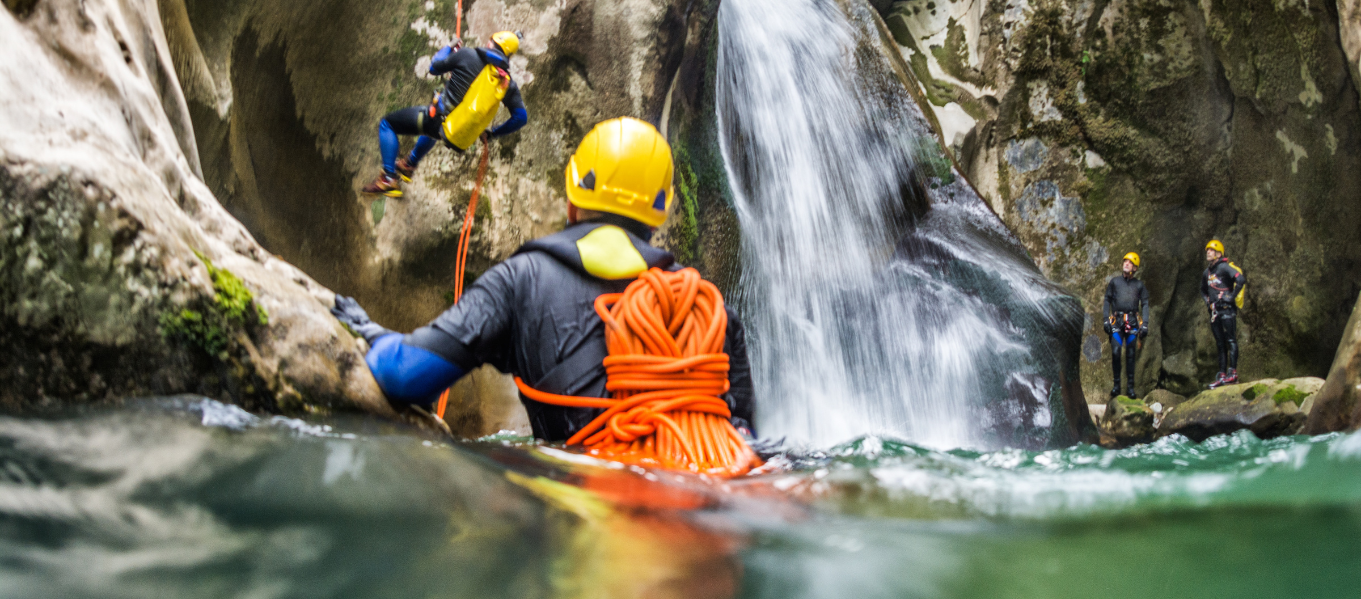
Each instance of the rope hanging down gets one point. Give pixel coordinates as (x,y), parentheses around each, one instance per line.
(461,263)
(666,370)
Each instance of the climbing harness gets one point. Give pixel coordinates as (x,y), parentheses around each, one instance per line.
(666,370)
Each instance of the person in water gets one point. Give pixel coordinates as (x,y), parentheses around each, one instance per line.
(1222,289)
(1126,312)
(474,73)
(533,314)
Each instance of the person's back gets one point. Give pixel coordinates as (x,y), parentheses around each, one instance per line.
(533,315)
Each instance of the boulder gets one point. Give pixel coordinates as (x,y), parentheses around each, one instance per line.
(1337,407)
(1268,407)
(1164,398)
(120,273)
(1126,421)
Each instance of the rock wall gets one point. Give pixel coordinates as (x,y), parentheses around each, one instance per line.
(120,274)
(1095,128)
(1338,404)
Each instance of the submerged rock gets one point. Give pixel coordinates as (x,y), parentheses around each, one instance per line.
(1269,408)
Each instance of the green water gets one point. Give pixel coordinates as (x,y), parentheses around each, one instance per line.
(186,497)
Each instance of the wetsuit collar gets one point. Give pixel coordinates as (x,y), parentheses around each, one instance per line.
(620,254)
(493,58)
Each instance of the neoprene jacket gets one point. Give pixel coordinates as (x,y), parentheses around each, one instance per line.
(1221,283)
(533,316)
(1125,295)
(463,67)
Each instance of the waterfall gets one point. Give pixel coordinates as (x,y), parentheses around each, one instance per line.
(864,318)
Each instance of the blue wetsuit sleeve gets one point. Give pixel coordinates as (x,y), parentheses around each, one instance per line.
(518,118)
(409,374)
(518,115)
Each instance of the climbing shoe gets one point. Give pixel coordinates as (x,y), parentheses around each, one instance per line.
(1129,392)
(1218,382)
(1115,390)
(405,169)
(1232,377)
(385,184)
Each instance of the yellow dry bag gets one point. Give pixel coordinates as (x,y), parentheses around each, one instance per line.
(475,113)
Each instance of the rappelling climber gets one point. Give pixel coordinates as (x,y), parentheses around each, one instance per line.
(533,314)
(1222,288)
(479,82)
(1126,313)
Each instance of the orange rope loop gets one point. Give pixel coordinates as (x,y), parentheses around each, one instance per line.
(666,370)
(462,261)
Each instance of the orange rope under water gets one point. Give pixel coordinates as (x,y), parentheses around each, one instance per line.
(666,370)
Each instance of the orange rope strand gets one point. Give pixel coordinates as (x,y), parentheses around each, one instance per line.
(462,262)
(666,370)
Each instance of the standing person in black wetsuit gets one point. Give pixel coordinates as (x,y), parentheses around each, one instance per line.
(449,114)
(1222,288)
(1126,312)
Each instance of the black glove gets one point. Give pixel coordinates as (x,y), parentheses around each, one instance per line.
(1106,327)
(349,313)
(1143,332)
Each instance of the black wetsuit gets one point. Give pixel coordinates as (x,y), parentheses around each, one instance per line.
(1219,287)
(1127,302)
(533,316)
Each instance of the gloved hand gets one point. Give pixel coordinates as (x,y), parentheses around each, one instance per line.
(349,312)
(1106,326)
(1143,332)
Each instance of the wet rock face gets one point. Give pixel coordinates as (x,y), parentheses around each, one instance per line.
(1098,128)
(1338,404)
(107,235)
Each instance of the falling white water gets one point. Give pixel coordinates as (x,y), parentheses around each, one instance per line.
(845,341)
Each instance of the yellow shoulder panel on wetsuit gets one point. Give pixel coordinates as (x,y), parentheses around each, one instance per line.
(478,109)
(608,253)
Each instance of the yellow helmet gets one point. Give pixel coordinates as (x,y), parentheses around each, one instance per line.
(623,166)
(1133,257)
(507,41)
(1215,245)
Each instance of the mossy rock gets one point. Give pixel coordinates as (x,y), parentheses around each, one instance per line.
(1167,398)
(1269,408)
(210,326)
(1127,421)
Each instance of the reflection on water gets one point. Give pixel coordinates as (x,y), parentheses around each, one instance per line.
(190,498)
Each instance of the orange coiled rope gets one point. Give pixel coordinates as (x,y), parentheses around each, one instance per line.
(666,370)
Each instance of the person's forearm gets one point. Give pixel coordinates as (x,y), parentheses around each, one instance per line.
(409,374)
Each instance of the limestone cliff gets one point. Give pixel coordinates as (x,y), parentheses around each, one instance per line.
(1099,127)
(120,274)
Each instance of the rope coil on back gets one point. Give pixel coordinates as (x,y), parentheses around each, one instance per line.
(666,370)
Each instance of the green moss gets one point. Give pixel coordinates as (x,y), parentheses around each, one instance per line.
(378,208)
(953,57)
(1290,394)
(1255,391)
(209,327)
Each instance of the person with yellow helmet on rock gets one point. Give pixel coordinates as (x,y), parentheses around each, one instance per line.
(478,84)
(533,315)
(1125,310)
(1222,288)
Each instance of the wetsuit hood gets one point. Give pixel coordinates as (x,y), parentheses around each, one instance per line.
(605,248)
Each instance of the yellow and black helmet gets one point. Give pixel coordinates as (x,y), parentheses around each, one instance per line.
(507,41)
(1133,257)
(623,166)
(1215,245)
